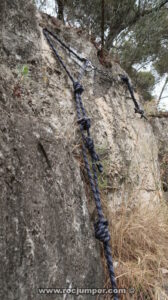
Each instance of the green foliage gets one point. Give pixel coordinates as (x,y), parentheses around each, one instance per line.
(136,29)
(147,40)
(161,64)
(145,82)
(25,70)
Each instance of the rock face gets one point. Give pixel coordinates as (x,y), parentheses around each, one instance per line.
(160,126)
(47,237)
(18,34)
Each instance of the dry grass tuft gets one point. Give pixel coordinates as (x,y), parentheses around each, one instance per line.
(139,238)
(139,242)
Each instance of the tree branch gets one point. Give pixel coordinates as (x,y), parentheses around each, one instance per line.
(60,4)
(115,29)
(162,90)
(164,97)
(157,7)
(102,24)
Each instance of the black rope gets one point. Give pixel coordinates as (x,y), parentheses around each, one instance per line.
(101,226)
(82,59)
(46,33)
(125,79)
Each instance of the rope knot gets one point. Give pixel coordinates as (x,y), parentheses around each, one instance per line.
(78,88)
(101,230)
(85,122)
(90,145)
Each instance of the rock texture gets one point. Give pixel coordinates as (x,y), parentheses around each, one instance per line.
(47,237)
(160,125)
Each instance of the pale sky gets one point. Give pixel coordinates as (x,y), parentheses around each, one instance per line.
(158,87)
(164,102)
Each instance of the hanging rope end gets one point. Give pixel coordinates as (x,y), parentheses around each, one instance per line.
(141,112)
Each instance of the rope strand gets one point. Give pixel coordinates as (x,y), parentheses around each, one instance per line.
(125,79)
(101,226)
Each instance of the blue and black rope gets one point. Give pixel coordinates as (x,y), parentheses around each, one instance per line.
(101,226)
(125,79)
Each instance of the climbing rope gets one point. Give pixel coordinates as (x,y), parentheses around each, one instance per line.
(101,226)
(91,67)
(125,79)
